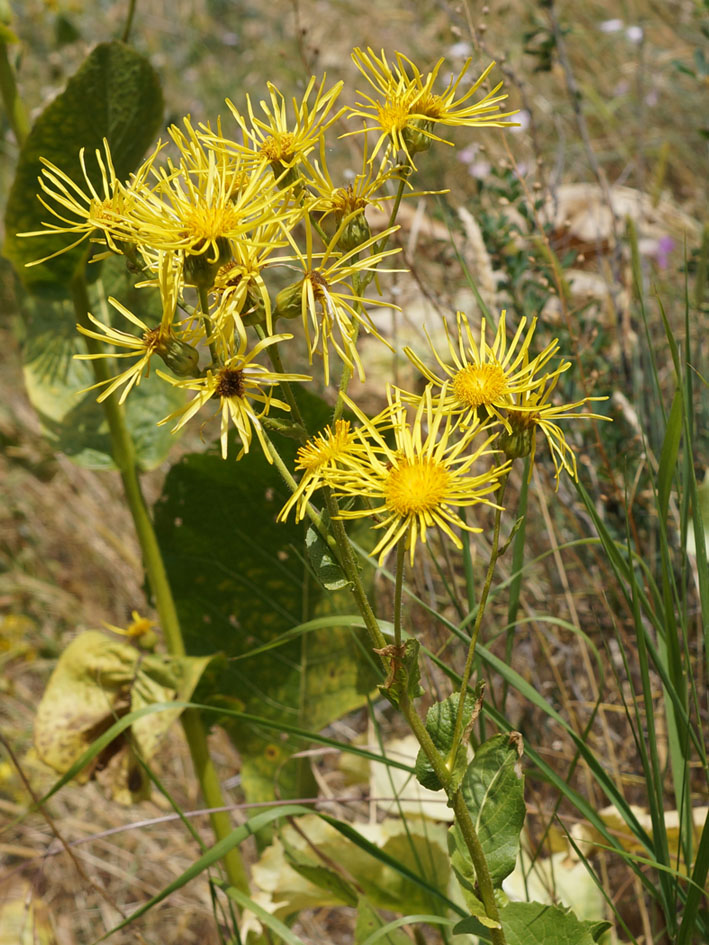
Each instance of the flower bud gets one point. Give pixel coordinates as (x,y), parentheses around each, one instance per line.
(518,443)
(355,233)
(201,268)
(414,135)
(254,311)
(289,301)
(181,358)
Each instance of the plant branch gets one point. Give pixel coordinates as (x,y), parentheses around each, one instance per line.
(125,459)
(462,815)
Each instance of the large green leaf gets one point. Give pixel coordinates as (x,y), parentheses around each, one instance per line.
(73,422)
(533,923)
(115,95)
(240,580)
(493,790)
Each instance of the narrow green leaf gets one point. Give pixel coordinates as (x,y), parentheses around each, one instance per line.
(697,889)
(380,934)
(370,927)
(668,455)
(252,826)
(115,95)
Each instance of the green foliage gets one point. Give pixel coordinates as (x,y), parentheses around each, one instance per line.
(326,569)
(493,792)
(57,384)
(531,923)
(440,725)
(239,583)
(115,95)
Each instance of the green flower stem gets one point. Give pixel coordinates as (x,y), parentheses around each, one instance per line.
(16,113)
(462,816)
(460,714)
(398,588)
(311,512)
(129,21)
(477,855)
(275,358)
(349,566)
(204,305)
(124,457)
(345,378)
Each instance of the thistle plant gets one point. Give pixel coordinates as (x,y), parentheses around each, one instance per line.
(267,274)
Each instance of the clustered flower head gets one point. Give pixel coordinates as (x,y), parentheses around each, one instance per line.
(242,233)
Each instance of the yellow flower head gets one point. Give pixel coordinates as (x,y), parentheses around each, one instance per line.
(238,385)
(334,203)
(404,108)
(332,309)
(530,412)
(198,208)
(89,210)
(161,339)
(138,627)
(420,480)
(322,452)
(241,278)
(483,375)
(281,142)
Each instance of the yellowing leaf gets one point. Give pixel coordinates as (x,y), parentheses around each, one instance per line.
(97,681)
(24,918)
(557,879)
(588,836)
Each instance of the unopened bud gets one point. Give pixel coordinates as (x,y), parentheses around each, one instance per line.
(517,444)
(201,268)
(181,358)
(254,311)
(415,137)
(289,301)
(355,232)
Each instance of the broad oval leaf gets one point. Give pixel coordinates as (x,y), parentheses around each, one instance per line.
(533,923)
(493,791)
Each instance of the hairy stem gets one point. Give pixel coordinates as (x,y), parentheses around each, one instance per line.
(349,566)
(398,588)
(125,459)
(462,816)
